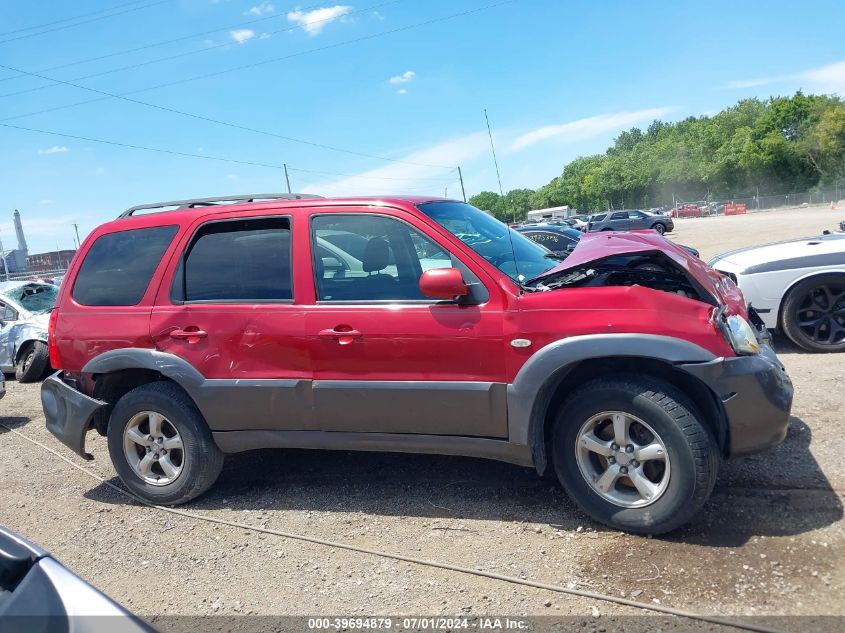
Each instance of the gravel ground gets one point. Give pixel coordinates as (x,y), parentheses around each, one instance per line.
(770,541)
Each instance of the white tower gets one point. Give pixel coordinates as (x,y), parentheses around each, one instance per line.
(19,231)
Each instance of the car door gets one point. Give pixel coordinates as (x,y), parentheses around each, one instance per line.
(638,220)
(618,221)
(229,312)
(387,359)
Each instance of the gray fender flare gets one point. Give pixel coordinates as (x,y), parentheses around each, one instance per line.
(176,369)
(536,381)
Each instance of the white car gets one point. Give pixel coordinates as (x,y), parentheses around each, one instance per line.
(797,287)
(24,315)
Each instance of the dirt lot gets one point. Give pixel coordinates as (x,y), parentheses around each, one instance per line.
(771,540)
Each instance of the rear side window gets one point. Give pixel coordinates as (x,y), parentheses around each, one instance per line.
(237,261)
(119,266)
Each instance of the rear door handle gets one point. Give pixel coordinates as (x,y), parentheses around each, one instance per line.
(344,337)
(190,334)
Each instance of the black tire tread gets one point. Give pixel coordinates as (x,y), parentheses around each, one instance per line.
(686,416)
(39,363)
(206,470)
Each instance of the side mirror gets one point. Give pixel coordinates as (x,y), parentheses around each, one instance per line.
(443,283)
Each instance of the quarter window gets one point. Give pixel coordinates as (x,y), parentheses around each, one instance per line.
(119,266)
(239,261)
(371,258)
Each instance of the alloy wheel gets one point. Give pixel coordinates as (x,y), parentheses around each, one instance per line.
(622,459)
(821,314)
(153,448)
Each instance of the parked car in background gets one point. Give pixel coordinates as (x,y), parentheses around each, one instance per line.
(38,593)
(560,240)
(630,220)
(224,325)
(2,385)
(797,287)
(686,211)
(24,314)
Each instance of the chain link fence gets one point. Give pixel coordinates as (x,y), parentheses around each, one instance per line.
(762,203)
(40,274)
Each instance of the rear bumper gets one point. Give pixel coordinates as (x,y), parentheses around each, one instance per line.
(68,412)
(756,396)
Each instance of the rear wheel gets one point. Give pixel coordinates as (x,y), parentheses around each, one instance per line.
(660,228)
(814,314)
(32,362)
(634,454)
(161,446)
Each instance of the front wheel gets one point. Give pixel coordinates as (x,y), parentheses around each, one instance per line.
(634,455)
(814,314)
(160,445)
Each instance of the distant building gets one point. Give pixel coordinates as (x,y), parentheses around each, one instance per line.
(552,213)
(14,260)
(54,260)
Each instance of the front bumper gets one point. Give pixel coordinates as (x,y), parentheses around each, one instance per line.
(68,412)
(756,397)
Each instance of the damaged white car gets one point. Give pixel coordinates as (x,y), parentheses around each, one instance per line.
(24,315)
(797,287)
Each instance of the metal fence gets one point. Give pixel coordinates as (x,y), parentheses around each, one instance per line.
(755,203)
(32,274)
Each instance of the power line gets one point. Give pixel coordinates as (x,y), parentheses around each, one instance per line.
(161,43)
(75,17)
(332,173)
(69,26)
(55,82)
(124,96)
(161,150)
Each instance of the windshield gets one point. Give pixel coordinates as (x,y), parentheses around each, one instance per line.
(35,298)
(512,253)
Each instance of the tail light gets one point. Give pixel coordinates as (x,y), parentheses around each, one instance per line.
(52,346)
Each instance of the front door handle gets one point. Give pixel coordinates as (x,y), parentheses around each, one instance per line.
(343,336)
(190,334)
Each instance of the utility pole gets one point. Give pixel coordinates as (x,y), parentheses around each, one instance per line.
(461,178)
(76,228)
(495,161)
(445,192)
(287,178)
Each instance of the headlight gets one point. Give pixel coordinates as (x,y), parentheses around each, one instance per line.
(741,335)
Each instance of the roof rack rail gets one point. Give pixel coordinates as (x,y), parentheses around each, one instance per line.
(210,202)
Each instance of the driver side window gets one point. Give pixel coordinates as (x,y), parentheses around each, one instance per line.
(368,257)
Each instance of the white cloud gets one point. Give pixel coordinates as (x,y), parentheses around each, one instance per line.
(827,79)
(265,8)
(830,78)
(242,35)
(56,149)
(313,22)
(583,129)
(402,178)
(404,78)
(402,91)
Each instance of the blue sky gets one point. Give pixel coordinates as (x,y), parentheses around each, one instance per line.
(404,79)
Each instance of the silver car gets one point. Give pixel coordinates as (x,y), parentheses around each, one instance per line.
(24,314)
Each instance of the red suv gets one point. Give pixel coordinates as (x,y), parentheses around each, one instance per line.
(413,325)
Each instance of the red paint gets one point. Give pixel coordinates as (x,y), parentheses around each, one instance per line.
(421,341)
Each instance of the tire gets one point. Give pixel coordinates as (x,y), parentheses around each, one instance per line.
(660,228)
(825,293)
(32,362)
(678,488)
(199,460)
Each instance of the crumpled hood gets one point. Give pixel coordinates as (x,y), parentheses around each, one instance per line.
(593,247)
